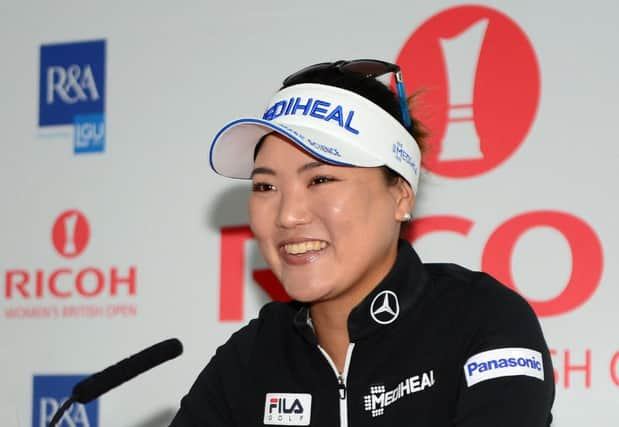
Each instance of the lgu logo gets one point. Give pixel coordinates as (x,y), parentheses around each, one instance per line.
(72,91)
(50,392)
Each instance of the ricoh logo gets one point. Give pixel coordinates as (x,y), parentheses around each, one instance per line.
(293,409)
(379,399)
(584,243)
(50,392)
(37,293)
(72,91)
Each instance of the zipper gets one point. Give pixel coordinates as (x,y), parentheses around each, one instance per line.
(341,382)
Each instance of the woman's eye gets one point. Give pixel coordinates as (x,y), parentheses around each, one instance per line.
(321,179)
(262,187)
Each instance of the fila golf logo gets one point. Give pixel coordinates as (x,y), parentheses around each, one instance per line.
(503,362)
(287,409)
(385,307)
(486,100)
(379,399)
(70,233)
(49,392)
(72,91)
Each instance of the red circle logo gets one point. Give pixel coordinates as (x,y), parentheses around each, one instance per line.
(70,233)
(479,73)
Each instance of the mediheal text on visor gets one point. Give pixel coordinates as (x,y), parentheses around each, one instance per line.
(315,108)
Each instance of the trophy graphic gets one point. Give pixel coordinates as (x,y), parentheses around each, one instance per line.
(69,223)
(461,54)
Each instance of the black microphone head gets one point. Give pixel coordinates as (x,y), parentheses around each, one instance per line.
(101,382)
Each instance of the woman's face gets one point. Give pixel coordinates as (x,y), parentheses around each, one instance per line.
(325,231)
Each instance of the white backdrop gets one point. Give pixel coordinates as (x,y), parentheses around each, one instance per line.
(531,85)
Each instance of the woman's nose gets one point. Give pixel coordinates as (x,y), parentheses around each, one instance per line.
(293,210)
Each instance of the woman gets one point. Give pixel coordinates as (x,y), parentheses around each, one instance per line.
(373,337)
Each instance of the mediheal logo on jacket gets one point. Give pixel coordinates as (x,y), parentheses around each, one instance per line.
(379,398)
(72,91)
(287,409)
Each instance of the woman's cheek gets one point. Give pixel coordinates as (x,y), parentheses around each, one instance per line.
(259,221)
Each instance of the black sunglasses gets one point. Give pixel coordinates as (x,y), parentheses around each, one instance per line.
(370,68)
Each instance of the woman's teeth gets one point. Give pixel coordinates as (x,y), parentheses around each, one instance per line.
(301,248)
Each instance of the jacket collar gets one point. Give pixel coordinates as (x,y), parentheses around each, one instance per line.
(386,305)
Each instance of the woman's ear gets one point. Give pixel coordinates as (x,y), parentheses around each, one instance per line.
(404,198)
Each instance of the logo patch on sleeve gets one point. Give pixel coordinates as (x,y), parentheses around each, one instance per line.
(503,362)
(287,409)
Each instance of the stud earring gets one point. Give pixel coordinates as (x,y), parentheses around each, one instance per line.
(406,217)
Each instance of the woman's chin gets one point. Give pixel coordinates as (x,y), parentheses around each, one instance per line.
(306,294)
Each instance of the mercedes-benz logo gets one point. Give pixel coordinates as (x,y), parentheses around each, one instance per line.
(385,307)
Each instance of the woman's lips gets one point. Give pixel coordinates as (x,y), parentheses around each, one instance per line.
(304,252)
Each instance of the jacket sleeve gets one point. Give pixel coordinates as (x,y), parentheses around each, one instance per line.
(215,399)
(507,374)
(205,405)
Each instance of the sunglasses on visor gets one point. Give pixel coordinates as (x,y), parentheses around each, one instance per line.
(370,68)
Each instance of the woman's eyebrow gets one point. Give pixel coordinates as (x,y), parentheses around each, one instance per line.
(269,171)
(310,165)
(263,170)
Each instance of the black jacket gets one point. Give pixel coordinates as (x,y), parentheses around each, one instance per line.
(445,347)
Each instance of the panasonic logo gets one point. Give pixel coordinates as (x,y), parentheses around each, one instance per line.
(503,362)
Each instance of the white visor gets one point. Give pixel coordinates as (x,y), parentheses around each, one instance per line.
(332,124)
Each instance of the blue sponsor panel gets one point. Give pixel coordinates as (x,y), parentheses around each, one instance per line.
(49,392)
(71,81)
(89,133)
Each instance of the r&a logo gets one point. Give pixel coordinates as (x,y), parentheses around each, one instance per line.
(72,91)
(288,409)
(49,392)
(486,99)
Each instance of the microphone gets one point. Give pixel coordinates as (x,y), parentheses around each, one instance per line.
(95,385)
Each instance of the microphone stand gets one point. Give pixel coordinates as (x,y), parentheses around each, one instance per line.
(60,412)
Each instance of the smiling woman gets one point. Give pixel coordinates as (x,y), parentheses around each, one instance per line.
(334,164)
